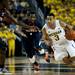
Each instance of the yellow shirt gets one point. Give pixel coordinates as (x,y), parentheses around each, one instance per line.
(4,35)
(11,38)
(1,34)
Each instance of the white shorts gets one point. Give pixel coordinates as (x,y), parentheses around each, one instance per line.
(63,51)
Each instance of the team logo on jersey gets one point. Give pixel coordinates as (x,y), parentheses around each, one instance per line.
(55,33)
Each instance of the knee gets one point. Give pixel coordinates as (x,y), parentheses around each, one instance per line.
(67,60)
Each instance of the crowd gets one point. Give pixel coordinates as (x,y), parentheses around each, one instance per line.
(63,9)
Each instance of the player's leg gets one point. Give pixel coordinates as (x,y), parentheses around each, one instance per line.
(60,54)
(29,47)
(44,50)
(3,48)
(71,51)
(2,59)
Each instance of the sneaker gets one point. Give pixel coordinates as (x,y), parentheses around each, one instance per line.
(5,70)
(41,51)
(32,60)
(36,72)
(1,71)
(36,66)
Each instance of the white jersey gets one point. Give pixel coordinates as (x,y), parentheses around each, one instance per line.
(57,35)
(61,46)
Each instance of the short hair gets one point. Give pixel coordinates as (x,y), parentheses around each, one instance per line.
(51,14)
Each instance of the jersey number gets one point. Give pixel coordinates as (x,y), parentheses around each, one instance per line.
(56,37)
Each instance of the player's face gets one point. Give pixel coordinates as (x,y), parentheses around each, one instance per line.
(51,20)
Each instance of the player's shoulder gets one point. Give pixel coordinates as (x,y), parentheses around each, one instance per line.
(57,20)
(44,26)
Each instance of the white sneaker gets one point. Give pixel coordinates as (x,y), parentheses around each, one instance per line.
(42,51)
(5,70)
(36,72)
(1,71)
(32,60)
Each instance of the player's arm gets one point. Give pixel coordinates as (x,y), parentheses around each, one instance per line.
(10,16)
(69,31)
(65,25)
(46,38)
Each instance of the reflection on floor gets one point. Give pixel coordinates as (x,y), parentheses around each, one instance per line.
(21,66)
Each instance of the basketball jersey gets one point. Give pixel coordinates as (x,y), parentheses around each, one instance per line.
(57,35)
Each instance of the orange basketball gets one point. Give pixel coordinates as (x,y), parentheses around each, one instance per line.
(70,35)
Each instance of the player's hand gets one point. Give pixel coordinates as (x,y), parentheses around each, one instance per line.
(48,42)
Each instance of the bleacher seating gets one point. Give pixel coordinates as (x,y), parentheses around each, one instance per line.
(63,9)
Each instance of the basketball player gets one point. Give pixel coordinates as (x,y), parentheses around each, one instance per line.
(3,48)
(64,50)
(3,44)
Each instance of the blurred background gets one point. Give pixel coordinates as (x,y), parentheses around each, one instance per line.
(24,17)
(21,11)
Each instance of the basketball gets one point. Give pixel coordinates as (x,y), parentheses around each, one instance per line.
(70,35)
